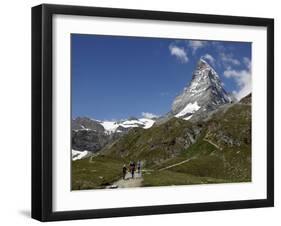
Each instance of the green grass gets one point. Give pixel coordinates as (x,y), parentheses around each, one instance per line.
(235,123)
(233,165)
(199,148)
(98,173)
(167,177)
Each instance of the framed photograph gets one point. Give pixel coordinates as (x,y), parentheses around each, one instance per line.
(145,112)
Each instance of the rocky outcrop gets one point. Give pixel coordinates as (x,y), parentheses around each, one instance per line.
(85,123)
(91,140)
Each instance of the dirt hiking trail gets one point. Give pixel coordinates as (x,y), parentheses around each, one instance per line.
(128,182)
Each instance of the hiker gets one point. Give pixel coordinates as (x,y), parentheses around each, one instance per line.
(130,166)
(124,171)
(133,168)
(139,167)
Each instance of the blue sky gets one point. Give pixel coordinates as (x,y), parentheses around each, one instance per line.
(116,77)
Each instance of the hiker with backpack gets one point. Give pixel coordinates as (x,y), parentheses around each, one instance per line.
(124,171)
(139,167)
(132,168)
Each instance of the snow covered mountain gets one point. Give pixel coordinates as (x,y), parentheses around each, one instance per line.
(121,126)
(108,127)
(204,93)
(90,135)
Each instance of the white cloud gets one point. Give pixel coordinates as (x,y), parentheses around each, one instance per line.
(247,62)
(209,58)
(195,44)
(179,53)
(228,59)
(149,115)
(243,79)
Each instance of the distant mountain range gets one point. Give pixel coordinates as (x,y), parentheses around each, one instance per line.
(108,127)
(92,135)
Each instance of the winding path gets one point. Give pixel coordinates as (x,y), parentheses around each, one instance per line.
(129,182)
(187,160)
(177,164)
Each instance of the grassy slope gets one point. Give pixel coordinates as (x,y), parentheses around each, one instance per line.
(154,145)
(162,146)
(97,172)
(231,130)
(168,177)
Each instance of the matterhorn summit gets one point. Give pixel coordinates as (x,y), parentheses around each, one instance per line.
(205,93)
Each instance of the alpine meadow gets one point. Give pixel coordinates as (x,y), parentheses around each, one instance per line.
(159,112)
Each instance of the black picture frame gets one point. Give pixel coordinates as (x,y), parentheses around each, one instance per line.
(42,111)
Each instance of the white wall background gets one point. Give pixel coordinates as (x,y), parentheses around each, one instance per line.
(15,118)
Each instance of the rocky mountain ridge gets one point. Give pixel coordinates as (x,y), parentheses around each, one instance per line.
(204,93)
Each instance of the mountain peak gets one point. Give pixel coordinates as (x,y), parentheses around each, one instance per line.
(205,91)
(202,63)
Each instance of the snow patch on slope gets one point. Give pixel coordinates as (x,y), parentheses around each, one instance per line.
(187,118)
(112,126)
(147,122)
(131,123)
(76,155)
(109,126)
(189,109)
